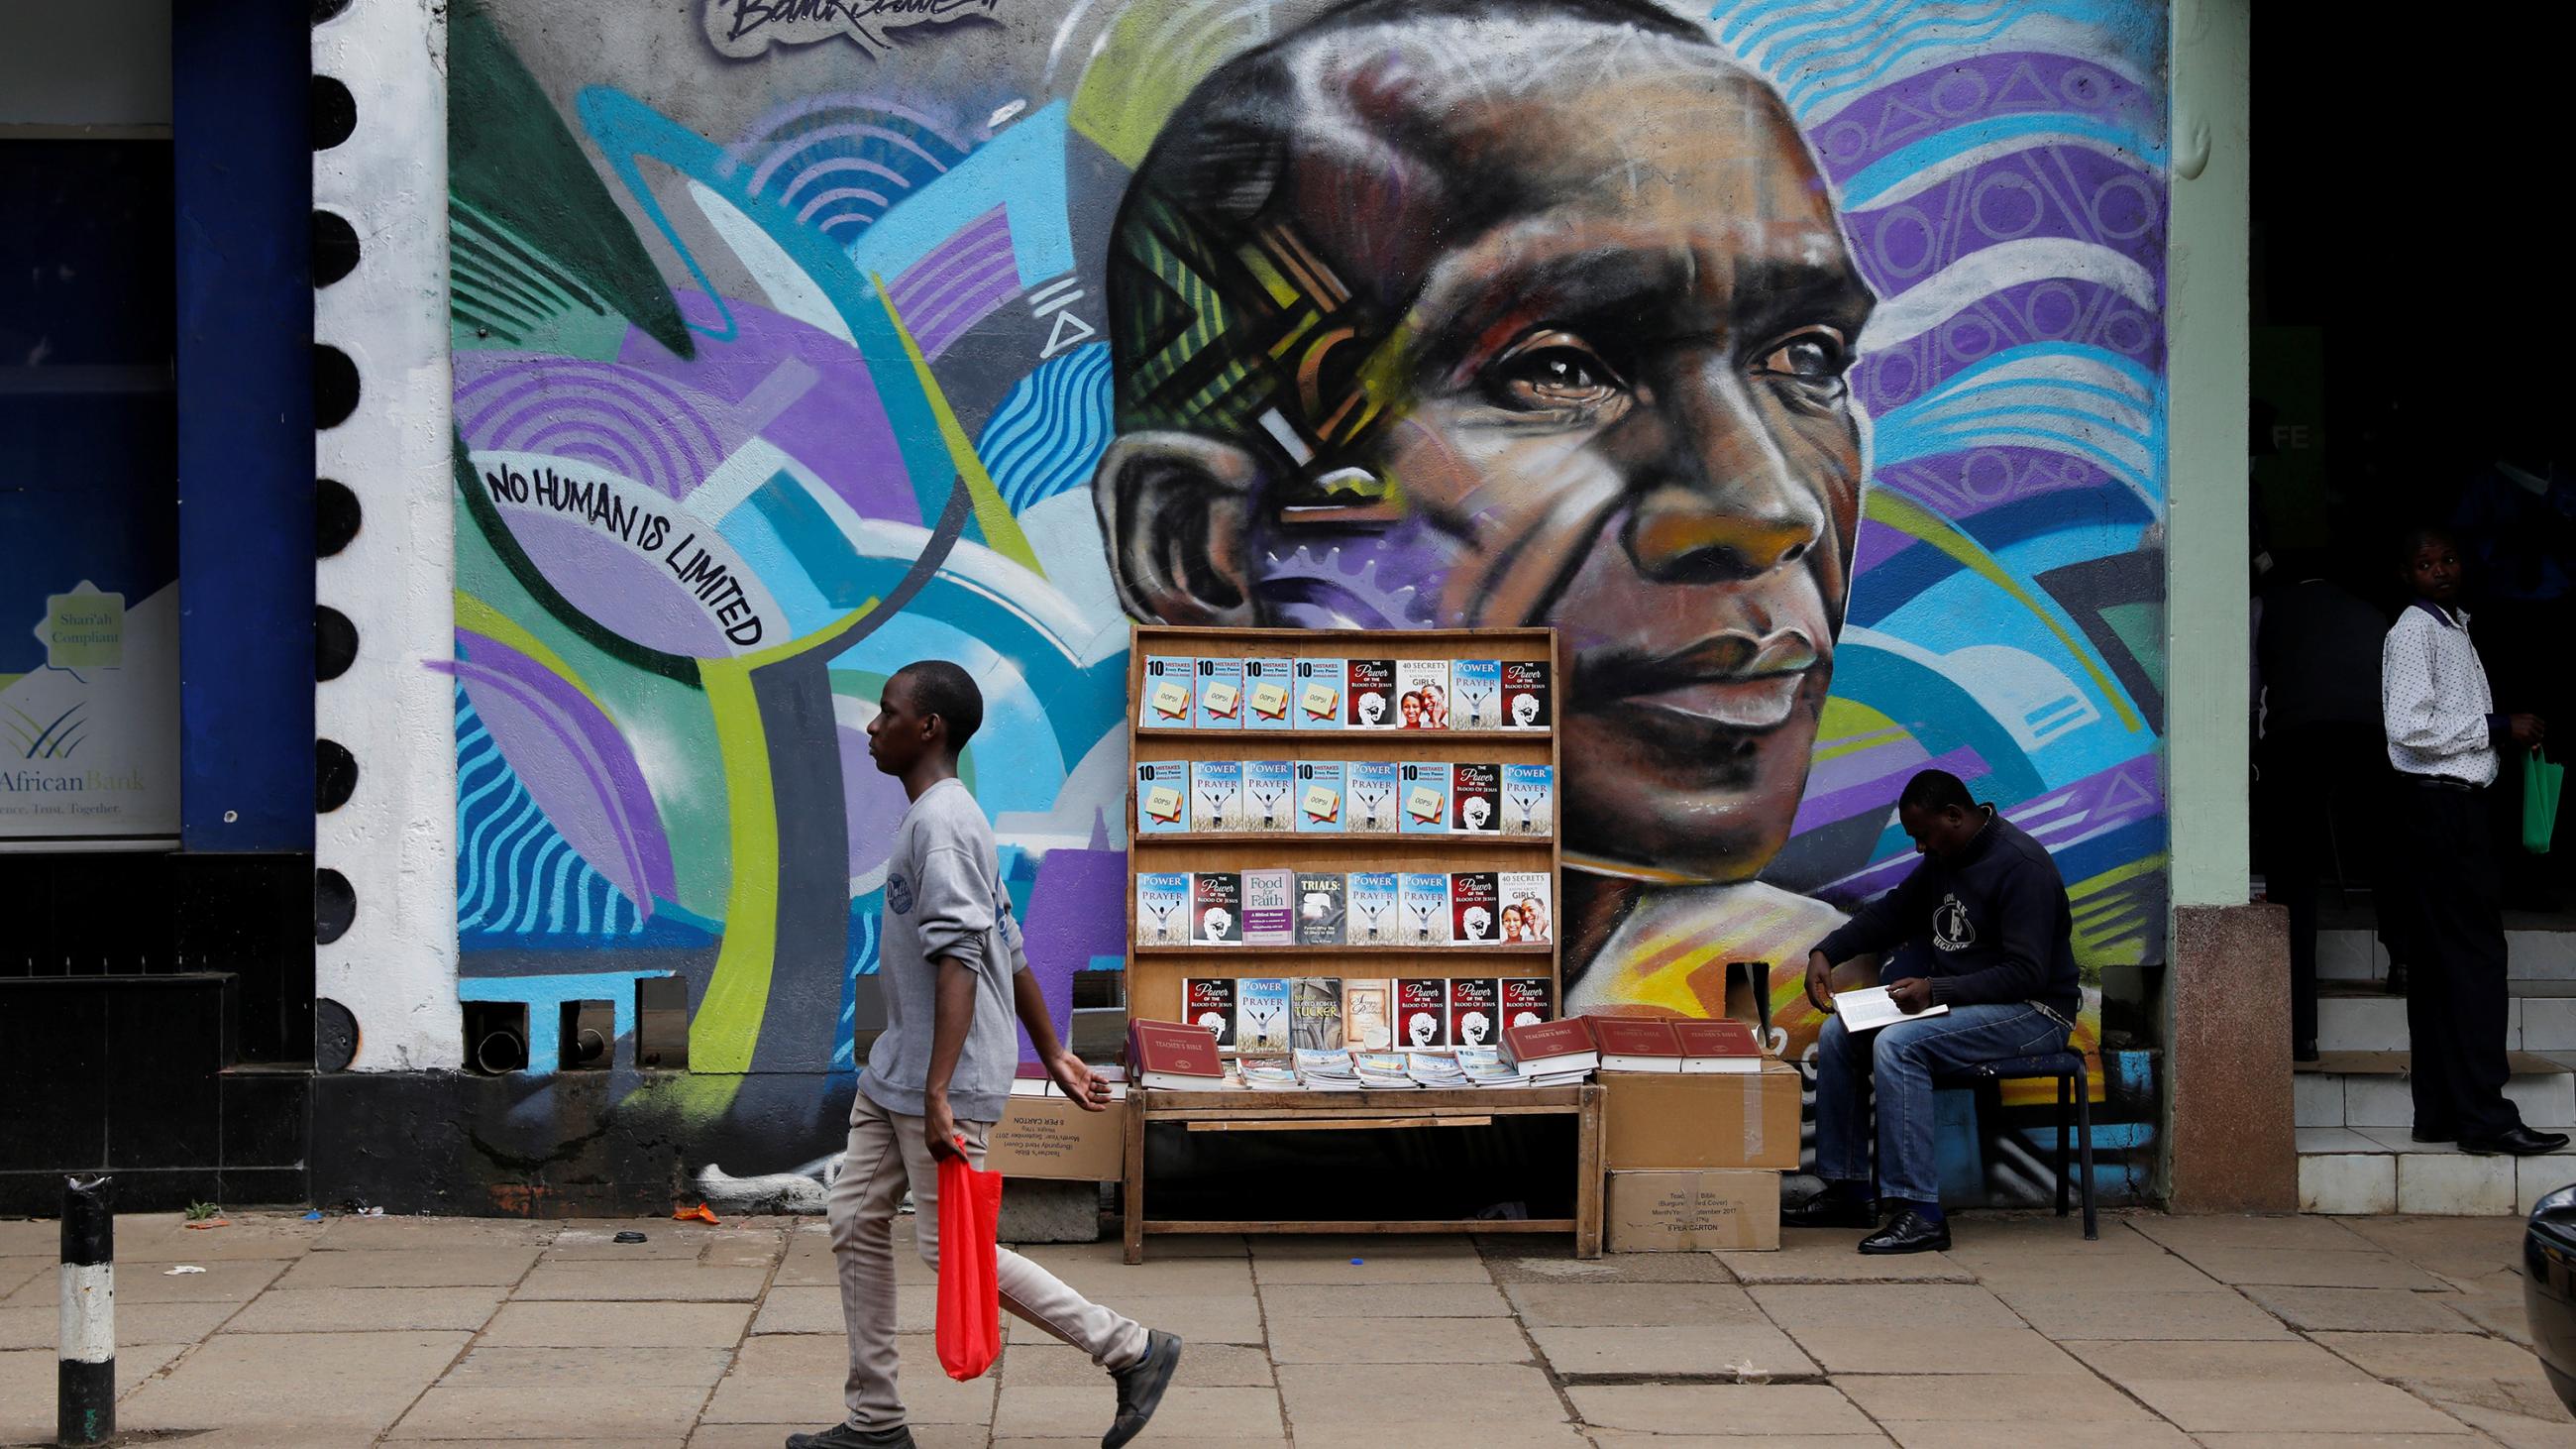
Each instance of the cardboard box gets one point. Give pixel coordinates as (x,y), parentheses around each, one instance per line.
(1675,1212)
(1664,1122)
(1051,1137)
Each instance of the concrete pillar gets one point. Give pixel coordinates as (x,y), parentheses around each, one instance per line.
(2226,1081)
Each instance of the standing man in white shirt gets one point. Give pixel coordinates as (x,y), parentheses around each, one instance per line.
(2443,732)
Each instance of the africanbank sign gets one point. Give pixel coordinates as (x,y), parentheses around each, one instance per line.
(89,720)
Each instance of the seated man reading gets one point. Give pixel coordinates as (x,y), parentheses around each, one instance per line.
(1982,927)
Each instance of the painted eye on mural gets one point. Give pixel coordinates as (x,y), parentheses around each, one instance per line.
(1816,355)
(1552,371)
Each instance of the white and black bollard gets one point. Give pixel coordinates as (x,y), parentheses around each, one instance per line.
(85,1391)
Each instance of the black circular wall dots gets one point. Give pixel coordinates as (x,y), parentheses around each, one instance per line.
(335,386)
(335,776)
(328,9)
(335,905)
(335,247)
(335,643)
(335,113)
(335,1036)
(335,516)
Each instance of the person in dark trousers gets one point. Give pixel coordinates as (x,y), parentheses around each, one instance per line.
(2443,736)
(1982,927)
(940,1075)
(2320,748)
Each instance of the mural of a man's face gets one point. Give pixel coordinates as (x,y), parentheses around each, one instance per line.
(1566,350)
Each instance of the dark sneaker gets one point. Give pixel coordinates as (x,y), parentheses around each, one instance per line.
(842,1436)
(1141,1385)
(1908,1234)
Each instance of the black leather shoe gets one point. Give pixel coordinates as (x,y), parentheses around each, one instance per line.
(842,1436)
(1141,1385)
(1831,1210)
(1908,1234)
(2520,1142)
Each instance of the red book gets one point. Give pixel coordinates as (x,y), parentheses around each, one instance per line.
(1637,1044)
(1173,1056)
(1721,1044)
(1545,1047)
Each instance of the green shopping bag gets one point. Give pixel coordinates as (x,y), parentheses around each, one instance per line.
(2540,782)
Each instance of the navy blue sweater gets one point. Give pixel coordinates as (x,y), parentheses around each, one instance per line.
(1995,920)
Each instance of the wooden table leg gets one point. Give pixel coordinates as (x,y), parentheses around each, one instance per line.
(1132,1191)
(1587,1167)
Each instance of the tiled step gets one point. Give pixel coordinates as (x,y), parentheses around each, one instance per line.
(2357,1171)
(2356,1016)
(2354,955)
(2374,1094)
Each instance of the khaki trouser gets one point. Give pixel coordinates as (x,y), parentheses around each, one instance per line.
(887,1153)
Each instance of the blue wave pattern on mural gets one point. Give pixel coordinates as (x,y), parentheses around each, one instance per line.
(516,876)
(1048,434)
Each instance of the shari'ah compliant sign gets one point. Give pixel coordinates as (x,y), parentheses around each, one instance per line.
(89,734)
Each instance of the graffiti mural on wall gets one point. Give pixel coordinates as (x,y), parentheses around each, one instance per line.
(1802,363)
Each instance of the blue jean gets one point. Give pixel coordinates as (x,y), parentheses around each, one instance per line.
(1902,1059)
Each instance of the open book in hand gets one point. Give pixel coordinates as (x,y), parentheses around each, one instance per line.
(1870,1007)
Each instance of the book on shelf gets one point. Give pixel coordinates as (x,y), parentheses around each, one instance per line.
(1270,796)
(1368,694)
(1374,914)
(1162,797)
(1172,1056)
(1637,1044)
(1867,1008)
(1422,694)
(1423,897)
(1476,694)
(1527,1000)
(1372,791)
(1529,799)
(1261,1014)
(1270,907)
(1473,908)
(1425,787)
(1319,797)
(1220,691)
(1216,908)
(1436,1070)
(1474,1014)
(1162,908)
(1383,1070)
(1216,795)
(1485,1067)
(1718,1045)
(1546,1048)
(1319,693)
(1421,1012)
(1526,701)
(1164,697)
(1475,798)
(1322,918)
(1325,1069)
(1368,1014)
(1269,694)
(1269,1074)
(1315,1013)
(1528,905)
(1208,1001)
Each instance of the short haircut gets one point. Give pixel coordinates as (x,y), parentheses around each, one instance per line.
(941,688)
(1936,790)
(2415,536)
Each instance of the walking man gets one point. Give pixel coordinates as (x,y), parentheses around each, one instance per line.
(2442,737)
(1982,927)
(940,1075)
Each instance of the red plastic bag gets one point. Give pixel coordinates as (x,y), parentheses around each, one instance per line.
(970,1292)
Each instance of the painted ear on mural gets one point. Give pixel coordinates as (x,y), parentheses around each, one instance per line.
(1174,509)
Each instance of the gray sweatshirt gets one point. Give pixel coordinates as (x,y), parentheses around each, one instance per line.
(943,898)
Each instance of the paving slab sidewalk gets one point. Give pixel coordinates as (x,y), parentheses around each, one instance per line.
(2249,1331)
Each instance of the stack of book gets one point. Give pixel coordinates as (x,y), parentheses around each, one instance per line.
(1173,1056)
(1382,1071)
(1236,692)
(1485,1067)
(1656,1044)
(1551,1053)
(1436,1071)
(1327,1071)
